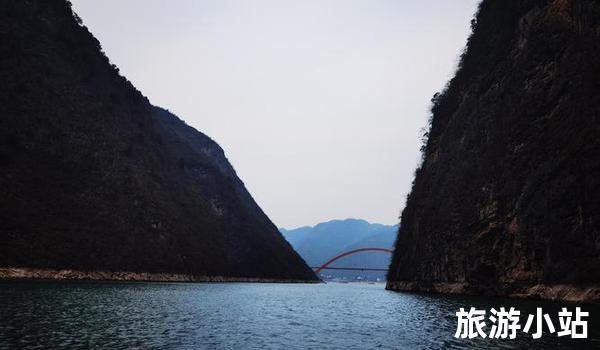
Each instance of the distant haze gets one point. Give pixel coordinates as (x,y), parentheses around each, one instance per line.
(317,103)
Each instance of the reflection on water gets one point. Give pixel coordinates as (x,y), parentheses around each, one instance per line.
(41,315)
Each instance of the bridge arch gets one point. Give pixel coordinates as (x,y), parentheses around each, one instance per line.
(354,251)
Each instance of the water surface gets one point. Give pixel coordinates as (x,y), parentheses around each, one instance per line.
(81,315)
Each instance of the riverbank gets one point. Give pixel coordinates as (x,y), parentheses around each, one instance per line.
(559,292)
(68,274)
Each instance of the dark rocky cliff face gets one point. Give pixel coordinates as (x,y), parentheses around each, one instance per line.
(93,177)
(507,200)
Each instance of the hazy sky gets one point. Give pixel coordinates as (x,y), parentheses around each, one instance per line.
(317,103)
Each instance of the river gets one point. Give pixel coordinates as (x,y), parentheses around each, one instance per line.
(83,315)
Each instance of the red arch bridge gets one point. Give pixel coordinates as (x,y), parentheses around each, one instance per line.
(342,255)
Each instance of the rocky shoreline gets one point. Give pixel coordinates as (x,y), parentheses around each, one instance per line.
(558,292)
(68,274)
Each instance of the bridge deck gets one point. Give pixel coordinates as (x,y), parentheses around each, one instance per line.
(348,268)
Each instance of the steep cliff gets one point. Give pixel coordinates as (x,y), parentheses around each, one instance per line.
(95,178)
(507,200)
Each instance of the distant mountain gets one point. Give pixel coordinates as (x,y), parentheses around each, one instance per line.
(96,181)
(324,241)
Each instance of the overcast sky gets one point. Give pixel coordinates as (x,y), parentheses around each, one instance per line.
(317,103)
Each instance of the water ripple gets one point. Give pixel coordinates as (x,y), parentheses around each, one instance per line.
(88,315)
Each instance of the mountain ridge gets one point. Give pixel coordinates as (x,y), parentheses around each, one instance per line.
(95,178)
(506,199)
(321,242)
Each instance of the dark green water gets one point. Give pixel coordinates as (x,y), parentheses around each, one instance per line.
(82,315)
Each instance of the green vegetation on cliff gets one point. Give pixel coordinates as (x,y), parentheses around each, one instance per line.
(507,199)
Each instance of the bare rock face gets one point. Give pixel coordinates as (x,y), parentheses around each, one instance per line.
(507,200)
(95,178)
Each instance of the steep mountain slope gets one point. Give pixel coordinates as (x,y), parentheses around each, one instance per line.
(94,178)
(322,242)
(507,200)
